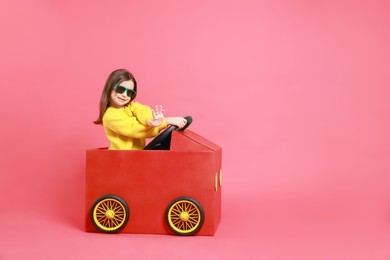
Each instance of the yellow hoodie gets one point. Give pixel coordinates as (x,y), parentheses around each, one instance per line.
(127,128)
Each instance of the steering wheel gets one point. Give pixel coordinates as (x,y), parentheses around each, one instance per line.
(163,140)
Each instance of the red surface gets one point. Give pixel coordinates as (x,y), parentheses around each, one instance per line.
(149,180)
(295,92)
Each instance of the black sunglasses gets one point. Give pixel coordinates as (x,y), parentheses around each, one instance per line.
(120,89)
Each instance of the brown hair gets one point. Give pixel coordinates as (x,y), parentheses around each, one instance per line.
(116,77)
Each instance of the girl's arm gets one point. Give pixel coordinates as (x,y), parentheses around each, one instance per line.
(118,122)
(142,112)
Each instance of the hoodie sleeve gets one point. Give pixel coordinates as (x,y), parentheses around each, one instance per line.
(119,122)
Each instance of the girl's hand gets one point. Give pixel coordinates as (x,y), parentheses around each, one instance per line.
(177,121)
(157,116)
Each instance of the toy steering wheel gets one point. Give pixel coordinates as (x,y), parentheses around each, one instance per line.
(163,140)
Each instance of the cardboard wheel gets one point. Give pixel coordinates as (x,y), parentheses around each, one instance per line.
(109,214)
(185,216)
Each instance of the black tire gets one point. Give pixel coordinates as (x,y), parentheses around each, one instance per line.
(109,214)
(184,216)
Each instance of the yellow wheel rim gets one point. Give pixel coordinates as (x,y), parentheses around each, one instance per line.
(109,214)
(184,216)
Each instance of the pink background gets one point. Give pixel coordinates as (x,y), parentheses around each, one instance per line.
(295,92)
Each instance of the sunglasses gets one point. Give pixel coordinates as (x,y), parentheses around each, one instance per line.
(122,90)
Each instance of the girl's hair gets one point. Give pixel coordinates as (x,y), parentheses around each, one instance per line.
(116,77)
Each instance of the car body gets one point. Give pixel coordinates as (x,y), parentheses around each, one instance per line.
(176,191)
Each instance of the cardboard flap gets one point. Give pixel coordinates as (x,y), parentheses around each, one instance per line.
(190,141)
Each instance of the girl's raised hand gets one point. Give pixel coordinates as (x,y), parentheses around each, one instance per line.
(157,116)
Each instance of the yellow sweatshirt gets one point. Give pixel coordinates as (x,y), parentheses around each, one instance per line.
(127,128)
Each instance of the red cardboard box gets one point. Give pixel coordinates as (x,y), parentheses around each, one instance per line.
(176,191)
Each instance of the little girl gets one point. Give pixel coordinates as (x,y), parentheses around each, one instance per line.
(128,123)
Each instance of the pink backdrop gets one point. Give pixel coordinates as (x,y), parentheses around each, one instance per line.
(295,92)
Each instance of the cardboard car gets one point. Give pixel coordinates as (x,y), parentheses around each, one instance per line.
(172,191)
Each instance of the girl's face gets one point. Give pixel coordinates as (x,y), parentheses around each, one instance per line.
(120,95)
